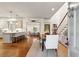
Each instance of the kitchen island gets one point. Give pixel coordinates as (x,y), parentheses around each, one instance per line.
(11,37)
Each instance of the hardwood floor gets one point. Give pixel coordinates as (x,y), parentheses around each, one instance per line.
(62,50)
(19,49)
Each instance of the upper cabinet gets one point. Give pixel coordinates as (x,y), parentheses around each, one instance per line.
(11,26)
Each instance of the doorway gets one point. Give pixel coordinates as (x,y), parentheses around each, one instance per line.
(33,27)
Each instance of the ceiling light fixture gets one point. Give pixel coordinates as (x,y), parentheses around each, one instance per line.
(11,16)
(53,9)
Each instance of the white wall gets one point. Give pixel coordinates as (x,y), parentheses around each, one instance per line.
(58,16)
(74,33)
(41,21)
(44,21)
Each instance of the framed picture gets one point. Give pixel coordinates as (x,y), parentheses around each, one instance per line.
(47,28)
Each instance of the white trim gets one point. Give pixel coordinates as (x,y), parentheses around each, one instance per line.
(74,28)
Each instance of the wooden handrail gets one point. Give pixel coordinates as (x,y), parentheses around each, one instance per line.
(62,20)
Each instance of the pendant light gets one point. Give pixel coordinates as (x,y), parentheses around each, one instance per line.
(12,18)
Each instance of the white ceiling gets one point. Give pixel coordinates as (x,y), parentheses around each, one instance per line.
(30,9)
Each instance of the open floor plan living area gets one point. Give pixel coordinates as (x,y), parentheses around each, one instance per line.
(39,29)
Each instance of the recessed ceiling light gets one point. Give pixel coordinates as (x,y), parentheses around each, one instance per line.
(53,9)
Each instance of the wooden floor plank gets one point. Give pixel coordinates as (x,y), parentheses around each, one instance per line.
(19,49)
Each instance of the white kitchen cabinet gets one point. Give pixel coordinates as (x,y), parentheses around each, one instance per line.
(8,36)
